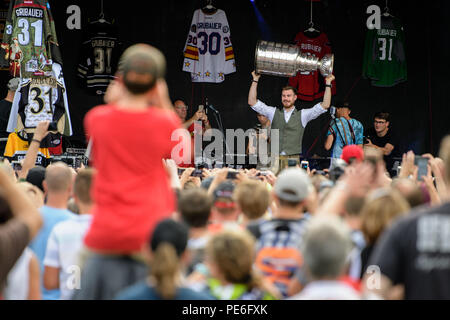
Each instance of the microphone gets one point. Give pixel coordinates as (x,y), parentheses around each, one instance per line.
(212,108)
(333,112)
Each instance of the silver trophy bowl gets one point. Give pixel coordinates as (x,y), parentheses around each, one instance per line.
(285,60)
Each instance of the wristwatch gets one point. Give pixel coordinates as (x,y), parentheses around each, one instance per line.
(328,85)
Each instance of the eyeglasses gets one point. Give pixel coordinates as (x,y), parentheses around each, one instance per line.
(379,122)
(181,107)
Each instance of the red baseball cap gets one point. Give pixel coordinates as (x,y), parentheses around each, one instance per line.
(352,152)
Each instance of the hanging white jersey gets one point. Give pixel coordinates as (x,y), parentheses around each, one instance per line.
(41,99)
(208,53)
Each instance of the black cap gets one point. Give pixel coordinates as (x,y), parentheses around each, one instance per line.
(344,104)
(35,176)
(172,232)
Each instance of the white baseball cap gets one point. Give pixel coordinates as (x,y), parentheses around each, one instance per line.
(293,184)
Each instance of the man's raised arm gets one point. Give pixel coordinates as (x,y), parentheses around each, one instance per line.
(327,95)
(318,109)
(253,93)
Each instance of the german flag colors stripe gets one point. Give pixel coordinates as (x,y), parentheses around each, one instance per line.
(229,53)
(191,53)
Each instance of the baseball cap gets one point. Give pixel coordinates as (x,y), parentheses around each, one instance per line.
(13,84)
(35,176)
(224,192)
(141,65)
(172,232)
(352,151)
(293,184)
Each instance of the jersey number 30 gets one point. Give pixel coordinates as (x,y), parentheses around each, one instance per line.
(209,43)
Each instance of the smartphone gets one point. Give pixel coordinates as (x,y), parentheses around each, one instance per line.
(422,164)
(197,173)
(292,162)
(304,164)
(320,172)
(232,175)
(201,108)
(77,163)
(17,166)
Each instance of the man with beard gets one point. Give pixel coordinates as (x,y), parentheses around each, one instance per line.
(290,122)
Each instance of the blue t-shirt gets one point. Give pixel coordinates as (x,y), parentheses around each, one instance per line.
(51,217)
(142,291)
(345,132)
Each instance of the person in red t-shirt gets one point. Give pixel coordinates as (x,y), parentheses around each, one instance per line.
(131,189)
(181,111)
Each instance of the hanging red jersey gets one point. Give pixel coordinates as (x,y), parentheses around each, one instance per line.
(311,85)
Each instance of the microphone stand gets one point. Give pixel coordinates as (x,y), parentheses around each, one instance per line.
(218,118)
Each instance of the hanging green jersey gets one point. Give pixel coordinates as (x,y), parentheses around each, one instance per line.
(29,40)
(384,60)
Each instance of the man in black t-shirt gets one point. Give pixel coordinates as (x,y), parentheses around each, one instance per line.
(381,137)
(415,251)
(5,110)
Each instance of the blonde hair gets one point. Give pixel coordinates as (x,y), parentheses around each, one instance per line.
(82,185)
(233,253)
(164,270)
(253,198)
(382,207)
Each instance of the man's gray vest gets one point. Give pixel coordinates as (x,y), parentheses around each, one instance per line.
(291,133)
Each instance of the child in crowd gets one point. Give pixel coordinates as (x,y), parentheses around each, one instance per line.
(166,255)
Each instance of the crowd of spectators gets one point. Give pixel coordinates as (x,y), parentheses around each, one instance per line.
(140,228)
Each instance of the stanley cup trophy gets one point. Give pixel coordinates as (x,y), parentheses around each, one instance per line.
(285,60)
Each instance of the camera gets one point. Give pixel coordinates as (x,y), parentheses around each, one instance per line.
(17,166)
(292,162)
(366,139)
(197,173)
(320,172)
(232,175)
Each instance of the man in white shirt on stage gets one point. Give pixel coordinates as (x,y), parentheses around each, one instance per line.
(290,122)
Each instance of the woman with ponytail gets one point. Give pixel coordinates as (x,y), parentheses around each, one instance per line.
(166,254)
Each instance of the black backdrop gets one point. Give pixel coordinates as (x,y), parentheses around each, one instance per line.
(419,107)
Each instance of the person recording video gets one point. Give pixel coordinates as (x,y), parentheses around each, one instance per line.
(343,131)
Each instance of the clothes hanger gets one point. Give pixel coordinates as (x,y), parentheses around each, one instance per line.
(101,18)
(386,11)
(311,23)
(311,28)
(209,8)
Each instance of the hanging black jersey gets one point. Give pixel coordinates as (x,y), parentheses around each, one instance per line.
(29,40)
(41,99)
(208,53)
(17,147)
(99,57)
(384,59)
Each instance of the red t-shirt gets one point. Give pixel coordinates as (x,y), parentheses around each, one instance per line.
(131,188)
